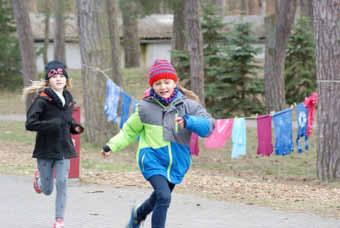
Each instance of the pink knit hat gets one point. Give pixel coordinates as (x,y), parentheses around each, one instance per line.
(161,69)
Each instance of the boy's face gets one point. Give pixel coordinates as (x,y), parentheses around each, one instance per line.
(57,82)
(164,87)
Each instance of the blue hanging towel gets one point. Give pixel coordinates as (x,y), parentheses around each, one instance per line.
(283,132)
(111,100)
(124,114)
(239,138)
(301,115)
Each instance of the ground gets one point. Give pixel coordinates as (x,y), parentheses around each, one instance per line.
(290,195)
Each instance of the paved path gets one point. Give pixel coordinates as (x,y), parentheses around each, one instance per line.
(96,206)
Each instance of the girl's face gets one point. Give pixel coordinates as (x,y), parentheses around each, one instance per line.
(57,82)
(164,87)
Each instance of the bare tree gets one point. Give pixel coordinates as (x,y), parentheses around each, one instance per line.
(112,11)
(270,7)
(59,32)
(95,57)
(131,42)
(278,29)
(47,12)
(195,47)
(244,7)
(254,7)
(306,9)
(327,36)
(178,28)
(24,30)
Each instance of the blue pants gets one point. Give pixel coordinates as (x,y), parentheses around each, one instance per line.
(61,168)
(158,203)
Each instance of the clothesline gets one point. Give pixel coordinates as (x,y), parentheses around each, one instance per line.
(97,69)
(328,81)
(253,117)
(282,123)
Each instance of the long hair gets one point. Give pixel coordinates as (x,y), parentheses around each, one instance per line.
(38,86)
(188,93)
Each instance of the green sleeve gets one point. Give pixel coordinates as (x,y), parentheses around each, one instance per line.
(128,134)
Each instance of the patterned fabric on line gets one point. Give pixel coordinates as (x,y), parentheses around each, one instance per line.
(283,132)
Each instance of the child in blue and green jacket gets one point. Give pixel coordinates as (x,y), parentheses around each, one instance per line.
(164,120)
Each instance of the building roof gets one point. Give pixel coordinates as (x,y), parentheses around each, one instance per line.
(152,27)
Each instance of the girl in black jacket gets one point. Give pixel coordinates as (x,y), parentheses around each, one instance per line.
(50,115)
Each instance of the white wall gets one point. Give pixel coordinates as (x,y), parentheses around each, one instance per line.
(73,60)
(152,51)
(157,51)
(72,50)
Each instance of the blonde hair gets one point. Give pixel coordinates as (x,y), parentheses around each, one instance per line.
(188,93)
(38,86)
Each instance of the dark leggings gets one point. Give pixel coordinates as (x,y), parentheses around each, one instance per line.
(158,202)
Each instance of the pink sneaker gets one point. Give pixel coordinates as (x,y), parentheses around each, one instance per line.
(35,182)
(59,223)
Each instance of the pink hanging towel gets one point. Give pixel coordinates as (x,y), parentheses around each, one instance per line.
(264,135)
(194,146)
(310,103)
(221,133)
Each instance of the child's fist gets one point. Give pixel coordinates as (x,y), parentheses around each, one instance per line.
(180,121)
(105,154)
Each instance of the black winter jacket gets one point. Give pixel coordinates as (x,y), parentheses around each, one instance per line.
(54,125)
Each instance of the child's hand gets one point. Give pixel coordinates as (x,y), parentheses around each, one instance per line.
(105,154)
(180,121)
(79,129)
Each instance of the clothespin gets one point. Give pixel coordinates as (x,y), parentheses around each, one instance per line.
(272,113)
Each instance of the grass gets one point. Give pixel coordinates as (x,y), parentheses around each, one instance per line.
(294,166)
(11,102)
(274,181)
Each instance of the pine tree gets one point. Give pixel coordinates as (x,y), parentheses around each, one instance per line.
(300,76)
(214,56)
(243,90)
(9,46)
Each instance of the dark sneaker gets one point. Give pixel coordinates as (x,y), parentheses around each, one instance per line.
(36,182)
(133,222)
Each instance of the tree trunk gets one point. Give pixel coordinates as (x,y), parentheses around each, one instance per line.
(46,31)
(130,32)
(306,9)
(244,7)
(327,35)
(24,30)
(254,7)
(95,54)
(234,7)
(278,30)
(112,11)
(220,6)
(270,7)
(195,47)
(178,29)
(59,32)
